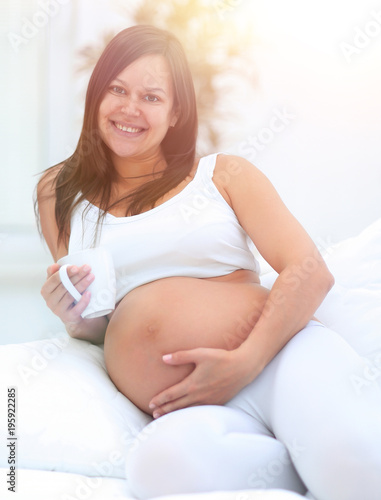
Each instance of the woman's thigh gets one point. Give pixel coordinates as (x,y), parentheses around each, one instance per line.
(306,396)
(208,448)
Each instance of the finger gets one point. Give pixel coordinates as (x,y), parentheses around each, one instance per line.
(54,281)
(179,404)
(52,269)
(171,394)
(69,311)
(80,277)
(71,270)
(81,280)
(77,273)
(58,299)
(75,310)
(183,357)
(65,299)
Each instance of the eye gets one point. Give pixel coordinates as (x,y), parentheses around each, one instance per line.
(117,90)
(151,98)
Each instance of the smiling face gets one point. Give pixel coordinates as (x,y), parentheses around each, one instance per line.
(137,109)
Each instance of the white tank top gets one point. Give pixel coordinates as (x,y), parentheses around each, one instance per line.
(194,234)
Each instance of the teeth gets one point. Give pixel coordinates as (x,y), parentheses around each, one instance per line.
(127,129)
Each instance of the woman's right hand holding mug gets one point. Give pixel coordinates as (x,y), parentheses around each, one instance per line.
(59,300)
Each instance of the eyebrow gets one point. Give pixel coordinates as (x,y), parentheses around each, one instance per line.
(154,89)
(147,89)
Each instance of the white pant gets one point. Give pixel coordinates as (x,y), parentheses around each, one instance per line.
(302,423)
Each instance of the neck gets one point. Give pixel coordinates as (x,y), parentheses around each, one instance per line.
(136,171)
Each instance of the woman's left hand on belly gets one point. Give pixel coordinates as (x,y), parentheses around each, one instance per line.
(217,377)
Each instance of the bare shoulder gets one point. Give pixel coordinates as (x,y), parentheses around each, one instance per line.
(230,168)
(46,184)
(46,201)
(276,233)
(234,176)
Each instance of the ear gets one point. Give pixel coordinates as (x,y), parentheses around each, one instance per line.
(175,117)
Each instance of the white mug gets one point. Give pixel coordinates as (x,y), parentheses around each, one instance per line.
(103,288)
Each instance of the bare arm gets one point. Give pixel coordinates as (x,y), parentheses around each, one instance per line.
(304,279)
(54,293)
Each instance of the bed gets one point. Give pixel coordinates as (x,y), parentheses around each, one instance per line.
(73,427)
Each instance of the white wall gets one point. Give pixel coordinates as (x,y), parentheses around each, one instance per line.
(313,62)
(23,116)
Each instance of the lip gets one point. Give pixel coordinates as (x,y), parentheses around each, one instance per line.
(137,130)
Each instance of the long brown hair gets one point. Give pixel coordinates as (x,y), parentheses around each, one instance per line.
(88,174)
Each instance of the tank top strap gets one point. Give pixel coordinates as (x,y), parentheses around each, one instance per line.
(206,167)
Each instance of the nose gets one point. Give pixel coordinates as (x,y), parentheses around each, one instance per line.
(130,107)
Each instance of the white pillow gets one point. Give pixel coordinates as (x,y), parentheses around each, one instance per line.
(353,307)
(70,416)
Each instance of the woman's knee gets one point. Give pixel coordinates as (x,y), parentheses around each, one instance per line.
(158,461)
(177,452)
(205,449)
(165,456)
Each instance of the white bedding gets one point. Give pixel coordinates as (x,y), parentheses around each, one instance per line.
(73,426)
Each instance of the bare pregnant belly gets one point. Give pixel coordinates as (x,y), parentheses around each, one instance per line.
(175,314)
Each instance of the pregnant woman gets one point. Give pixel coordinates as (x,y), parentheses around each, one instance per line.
(193,326)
